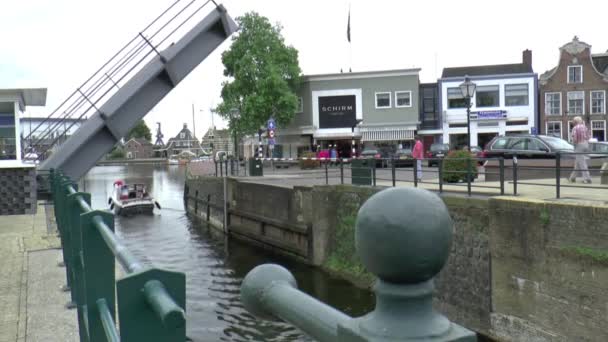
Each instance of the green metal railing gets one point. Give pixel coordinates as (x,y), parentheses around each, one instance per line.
(149,302)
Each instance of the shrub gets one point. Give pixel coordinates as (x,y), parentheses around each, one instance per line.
(309,164)
(117,153)
(455,166)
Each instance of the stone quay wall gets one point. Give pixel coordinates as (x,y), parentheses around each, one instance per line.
(519,270)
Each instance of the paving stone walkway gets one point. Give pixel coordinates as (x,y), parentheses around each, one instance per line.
(31,304)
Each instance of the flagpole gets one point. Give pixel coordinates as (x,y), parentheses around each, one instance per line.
(350,46)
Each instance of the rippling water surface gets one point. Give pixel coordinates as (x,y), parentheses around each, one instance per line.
(213,265)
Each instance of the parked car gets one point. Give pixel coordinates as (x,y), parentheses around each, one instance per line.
(599,146)
(403,157)
(373,154)
(437,151)
(526,146)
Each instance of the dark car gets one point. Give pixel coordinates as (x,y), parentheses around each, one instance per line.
(403,157)
(373,154)
(437,151)
(526,146)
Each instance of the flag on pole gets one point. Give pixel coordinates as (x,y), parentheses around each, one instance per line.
(348,27)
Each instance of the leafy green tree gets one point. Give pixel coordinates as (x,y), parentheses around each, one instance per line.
(140,130)
(116,153)
(263,73)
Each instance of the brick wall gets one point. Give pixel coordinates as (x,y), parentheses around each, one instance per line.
(17,191)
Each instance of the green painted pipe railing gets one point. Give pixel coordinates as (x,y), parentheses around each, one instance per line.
(403,236)
(149,302)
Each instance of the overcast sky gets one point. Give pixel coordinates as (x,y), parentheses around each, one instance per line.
(58,44)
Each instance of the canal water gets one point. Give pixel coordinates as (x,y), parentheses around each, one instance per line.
(213,265)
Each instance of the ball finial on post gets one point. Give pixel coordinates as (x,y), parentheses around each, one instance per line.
(403,235)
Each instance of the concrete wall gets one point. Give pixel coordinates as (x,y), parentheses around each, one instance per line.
(519,270)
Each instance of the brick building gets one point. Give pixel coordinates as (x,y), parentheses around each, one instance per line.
(577,86)
(218,140)
(137,148)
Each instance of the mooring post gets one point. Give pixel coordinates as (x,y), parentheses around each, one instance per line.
(415,231)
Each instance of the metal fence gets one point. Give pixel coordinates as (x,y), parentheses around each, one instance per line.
(149,302)
(506,174)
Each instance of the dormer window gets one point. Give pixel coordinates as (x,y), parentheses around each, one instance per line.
(575,74)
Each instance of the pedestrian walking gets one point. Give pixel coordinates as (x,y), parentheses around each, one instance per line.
(418,154)
(580,138)
(333,155)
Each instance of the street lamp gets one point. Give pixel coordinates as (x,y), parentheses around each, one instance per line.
(354,150)
(235,115)
(468,90)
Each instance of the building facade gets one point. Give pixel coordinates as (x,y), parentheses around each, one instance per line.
(137,148)
(577,86)
(431,125)
(17,174)
(218,140)
(183,141)
(377,109)
(505,102)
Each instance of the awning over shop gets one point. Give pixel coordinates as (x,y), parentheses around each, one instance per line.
(387,134)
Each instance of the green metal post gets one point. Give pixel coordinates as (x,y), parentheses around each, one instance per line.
(78,279)
(469,176)
(150,306)
(68,248)
(99,266)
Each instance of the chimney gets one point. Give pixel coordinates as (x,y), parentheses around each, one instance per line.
(527,57)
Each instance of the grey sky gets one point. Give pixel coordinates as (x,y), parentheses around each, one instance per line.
(59,43)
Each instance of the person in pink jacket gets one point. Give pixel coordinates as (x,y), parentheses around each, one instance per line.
(418,154)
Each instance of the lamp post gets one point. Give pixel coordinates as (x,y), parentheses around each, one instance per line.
(354,150)
(468,90)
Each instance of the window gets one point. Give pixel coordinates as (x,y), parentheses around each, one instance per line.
(455,98)
(575,74)
(553,103)
(576,102)
(554,129)
(403,99)
(598,129)
(517,123)
(570,127)
(182,135)
(536,145)
(516,94)
(598,102)
(500,143)
(487,96)
(383,100)
(300,105)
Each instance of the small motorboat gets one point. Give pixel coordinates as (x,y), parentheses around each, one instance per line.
(131,199)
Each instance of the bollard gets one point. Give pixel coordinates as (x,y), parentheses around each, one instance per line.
(341,171)
(501,168)
(415,230)
(558,165)
(393,171)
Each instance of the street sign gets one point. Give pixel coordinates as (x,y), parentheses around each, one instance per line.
(533,131)
(271,124)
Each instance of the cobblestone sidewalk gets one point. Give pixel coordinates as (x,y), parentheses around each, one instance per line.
(20,236)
